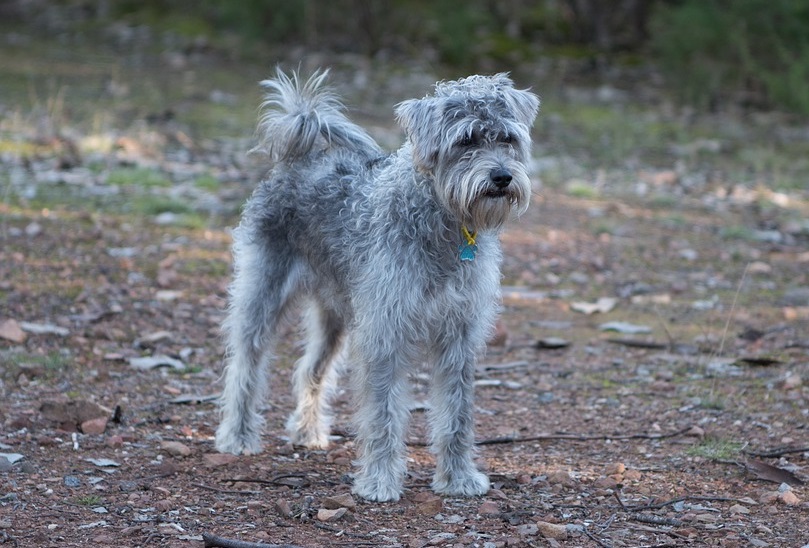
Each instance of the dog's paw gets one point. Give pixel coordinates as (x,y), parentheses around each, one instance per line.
(309,436)
(467,484)
(227,442)
(377,489)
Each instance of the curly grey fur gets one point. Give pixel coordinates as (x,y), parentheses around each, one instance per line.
(369,243)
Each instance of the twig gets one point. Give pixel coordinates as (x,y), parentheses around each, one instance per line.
(225,491)
(580,437)
(777,452)
(732,312)
(657,520)
(658,505)
(275,480)
(341,532)
(595,539)
(213,541)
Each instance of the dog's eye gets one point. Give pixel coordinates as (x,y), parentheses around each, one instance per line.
(507,139)
(467,141)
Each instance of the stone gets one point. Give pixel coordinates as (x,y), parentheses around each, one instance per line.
(94,427)
(215,460)
(325,514)
(614,468)
(344,500)
(284,508)
(431,506)
(11,331)
(175,448)
(552,530)
(489,508)
(789,498)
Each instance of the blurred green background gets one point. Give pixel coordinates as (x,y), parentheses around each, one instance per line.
(752,52)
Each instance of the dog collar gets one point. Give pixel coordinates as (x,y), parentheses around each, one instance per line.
(470,248)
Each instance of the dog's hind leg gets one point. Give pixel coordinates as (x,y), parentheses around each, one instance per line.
(264,283)
(315,378)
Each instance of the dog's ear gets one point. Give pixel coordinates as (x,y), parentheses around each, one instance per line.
(419,120)
(523,104)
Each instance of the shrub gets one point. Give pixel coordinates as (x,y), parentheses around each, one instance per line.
(757,50)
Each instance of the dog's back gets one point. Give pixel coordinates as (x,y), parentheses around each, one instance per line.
(300,118)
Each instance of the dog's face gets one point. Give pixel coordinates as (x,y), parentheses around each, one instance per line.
(473,139)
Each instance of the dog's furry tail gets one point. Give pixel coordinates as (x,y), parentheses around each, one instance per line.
(299,115)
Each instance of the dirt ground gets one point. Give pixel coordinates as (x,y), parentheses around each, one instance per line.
(648,384)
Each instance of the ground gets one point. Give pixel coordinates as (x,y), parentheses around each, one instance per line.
(648,384)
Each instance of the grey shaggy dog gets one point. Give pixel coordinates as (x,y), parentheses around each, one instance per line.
(396,260)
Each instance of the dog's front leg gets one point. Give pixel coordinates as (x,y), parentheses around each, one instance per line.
(382,416)
(452,422)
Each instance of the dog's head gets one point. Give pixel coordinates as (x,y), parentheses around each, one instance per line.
(472,138)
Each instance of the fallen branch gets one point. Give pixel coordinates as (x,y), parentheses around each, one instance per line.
(580,437)
(280,479)
(213,541)
(659,505)
(777,452)
(225,491)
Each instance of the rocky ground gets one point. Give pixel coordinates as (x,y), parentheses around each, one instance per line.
(648,384)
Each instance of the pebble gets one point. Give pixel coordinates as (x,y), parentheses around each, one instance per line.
(324,514)
(284,508)
(527,530)
(94,427)
(489,508)
(789,498)
(561,477)
(72,481)
(344,500)
(431,506)
(552,530)
(175,448)
(614,468)
(739,509)
(215,460)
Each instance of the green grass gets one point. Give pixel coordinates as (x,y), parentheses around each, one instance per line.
(716,449)
(138,176)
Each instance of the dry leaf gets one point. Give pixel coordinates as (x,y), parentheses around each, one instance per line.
(768,472)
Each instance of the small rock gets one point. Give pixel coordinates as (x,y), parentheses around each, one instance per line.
(489,508)
(175,448)
(440,538)
(284,508)
(793,381)
(11,331)
(324,514)
(696,432)
(632,475)
(561,477)
(344,500)
(769,497)
(72,481)
(215,460)
(605,482)
(431,506)
(614,468)
(94,427)
(789,498)
(739,509)
(523,479)
(552,530)
(527,530)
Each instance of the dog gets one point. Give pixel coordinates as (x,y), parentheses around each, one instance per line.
(395,258)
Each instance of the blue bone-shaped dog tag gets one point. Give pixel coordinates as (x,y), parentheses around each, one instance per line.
(468,251)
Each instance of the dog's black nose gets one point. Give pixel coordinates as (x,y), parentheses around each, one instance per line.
(500,177)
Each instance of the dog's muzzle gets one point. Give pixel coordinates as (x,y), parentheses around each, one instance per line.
(500,178)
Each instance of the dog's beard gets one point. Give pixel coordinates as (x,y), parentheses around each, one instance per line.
(466,188)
